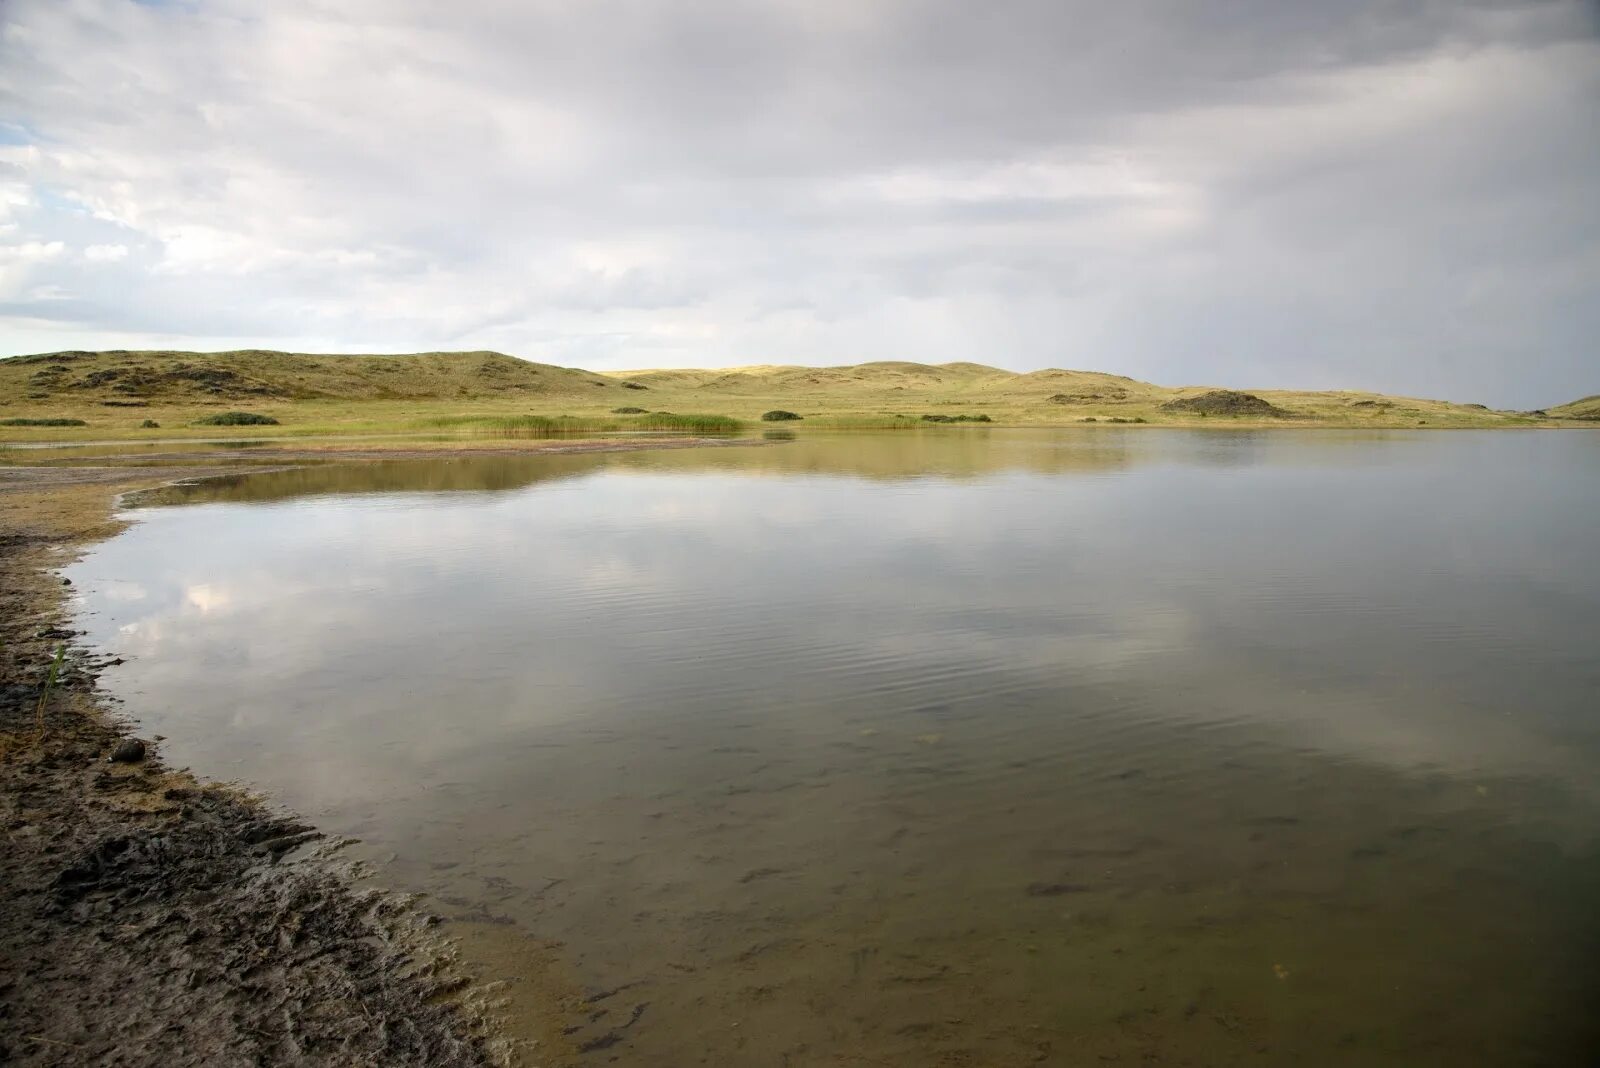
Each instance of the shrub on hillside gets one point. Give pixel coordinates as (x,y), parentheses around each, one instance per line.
(236,419)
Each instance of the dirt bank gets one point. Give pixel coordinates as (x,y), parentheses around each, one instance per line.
(153,919)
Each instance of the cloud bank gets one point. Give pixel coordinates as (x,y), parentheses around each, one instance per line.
(1402,196)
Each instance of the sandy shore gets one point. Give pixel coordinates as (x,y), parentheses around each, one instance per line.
(155,919)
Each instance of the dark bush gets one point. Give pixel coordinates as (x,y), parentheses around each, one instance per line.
(42,422)
(778,415)
(1226,402)
(149,424)
(236,419)
(627,411)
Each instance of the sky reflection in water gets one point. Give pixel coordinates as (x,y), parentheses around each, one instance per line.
(995,743)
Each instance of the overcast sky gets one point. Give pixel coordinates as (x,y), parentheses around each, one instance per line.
(1393,195)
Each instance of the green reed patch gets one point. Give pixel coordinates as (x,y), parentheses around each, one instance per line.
(699,424)
(883,421)
(42,422)
(537,425)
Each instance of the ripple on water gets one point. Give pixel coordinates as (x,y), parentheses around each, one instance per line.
(918,749)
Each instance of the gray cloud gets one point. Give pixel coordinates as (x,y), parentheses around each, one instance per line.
(1385,195)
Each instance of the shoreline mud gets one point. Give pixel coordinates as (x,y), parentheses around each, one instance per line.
(154,918)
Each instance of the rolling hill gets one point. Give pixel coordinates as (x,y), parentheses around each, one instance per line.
(282,376)
(1587,408)
(123,389)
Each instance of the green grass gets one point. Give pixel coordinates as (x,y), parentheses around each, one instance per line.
(49,684)
(42,422)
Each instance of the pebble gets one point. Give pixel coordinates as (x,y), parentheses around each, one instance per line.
(128,751)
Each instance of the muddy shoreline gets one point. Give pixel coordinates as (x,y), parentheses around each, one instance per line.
(156,919)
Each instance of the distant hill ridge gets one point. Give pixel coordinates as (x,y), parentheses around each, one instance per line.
(265,377)
(263,373)
(269,374)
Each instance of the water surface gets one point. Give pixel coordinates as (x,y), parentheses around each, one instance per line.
(938,747)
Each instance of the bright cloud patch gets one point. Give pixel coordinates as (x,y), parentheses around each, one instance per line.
(105,253)
(1263,194)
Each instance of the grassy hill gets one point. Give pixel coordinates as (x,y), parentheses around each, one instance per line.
(254,374)
(116,392)
(1052,396)
(1587,409)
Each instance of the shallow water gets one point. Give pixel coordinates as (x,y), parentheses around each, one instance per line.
(938,747)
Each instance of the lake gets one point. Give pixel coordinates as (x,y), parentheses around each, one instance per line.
(945,747)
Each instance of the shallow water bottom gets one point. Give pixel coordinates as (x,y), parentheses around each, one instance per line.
(933,898)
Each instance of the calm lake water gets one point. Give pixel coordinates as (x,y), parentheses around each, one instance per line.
(973,747)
